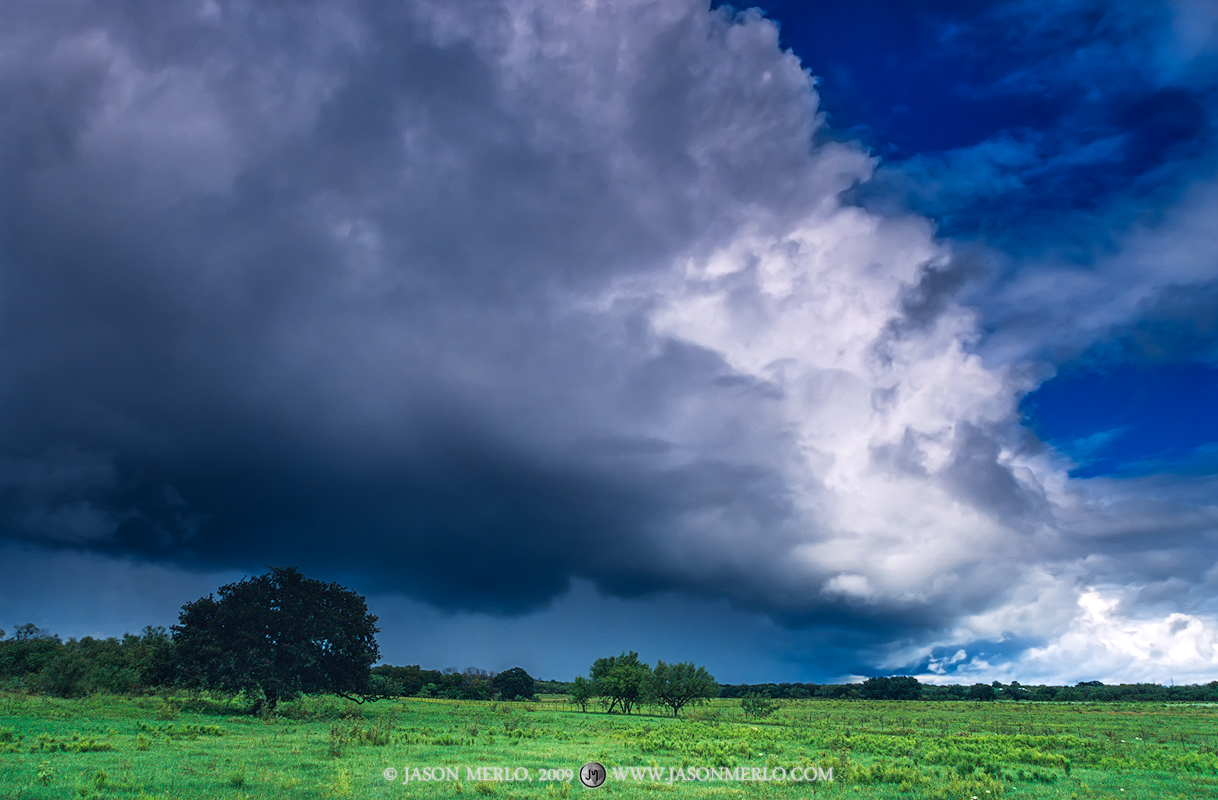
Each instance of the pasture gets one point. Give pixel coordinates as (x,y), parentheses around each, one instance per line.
(109,746)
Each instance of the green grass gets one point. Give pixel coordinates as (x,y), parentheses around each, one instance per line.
(202,747)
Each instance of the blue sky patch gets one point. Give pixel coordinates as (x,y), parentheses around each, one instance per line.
(1131,419)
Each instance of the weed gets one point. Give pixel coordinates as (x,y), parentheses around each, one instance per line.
(166,710)
(341,786)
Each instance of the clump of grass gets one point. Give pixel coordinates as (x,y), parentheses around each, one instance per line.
(10,741)
(341,787)
(166,710)
(92,746)
(45,743)
(286,783)
(236,778)
(142,742)
(204,704)
(311,707)
(95,785)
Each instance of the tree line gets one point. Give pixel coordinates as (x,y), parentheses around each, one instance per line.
(471,684)
(280,635)
(269,638)
(909,688)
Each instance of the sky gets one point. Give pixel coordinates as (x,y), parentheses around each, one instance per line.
(805,342)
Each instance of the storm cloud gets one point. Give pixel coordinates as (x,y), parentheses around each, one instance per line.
(487,305)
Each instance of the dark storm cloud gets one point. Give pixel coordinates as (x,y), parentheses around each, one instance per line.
(292,286)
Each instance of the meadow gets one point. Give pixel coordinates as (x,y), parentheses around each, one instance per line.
(110,746)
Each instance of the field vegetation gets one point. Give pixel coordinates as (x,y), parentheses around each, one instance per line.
(269,691)
(204,745)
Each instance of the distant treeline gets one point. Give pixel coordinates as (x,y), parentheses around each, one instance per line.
(907,688)
(414,681)
(35,660)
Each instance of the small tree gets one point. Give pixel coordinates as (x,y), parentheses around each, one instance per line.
(514,684)
(582,690)
(679,685)
(277,636)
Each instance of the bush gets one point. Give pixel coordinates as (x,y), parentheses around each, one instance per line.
(319,707)
(166,710)
(756,704)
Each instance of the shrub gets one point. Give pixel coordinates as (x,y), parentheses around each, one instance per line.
(166,710)
(756,704)
(320,707)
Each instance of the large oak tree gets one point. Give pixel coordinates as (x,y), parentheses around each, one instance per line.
(277,636)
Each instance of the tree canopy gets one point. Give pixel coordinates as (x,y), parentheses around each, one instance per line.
(620,679)
(899,688)
(277,636)
(514,684)
(678,685)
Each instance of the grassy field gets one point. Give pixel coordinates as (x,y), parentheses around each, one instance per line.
(181,747)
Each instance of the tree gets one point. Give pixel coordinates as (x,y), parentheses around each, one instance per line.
(514,684)
(155,660)
(980,691)
(679,685)
(899,688)
(582,690)
(277,636)
(619,679)
(28,653)
(29,632)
